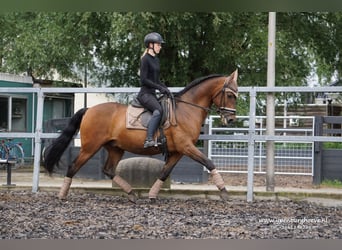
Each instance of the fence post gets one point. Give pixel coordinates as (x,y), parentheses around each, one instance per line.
(251,143)
(205,130)
(37,141)
(317,171)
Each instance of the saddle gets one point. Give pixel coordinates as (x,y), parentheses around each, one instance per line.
(137,117)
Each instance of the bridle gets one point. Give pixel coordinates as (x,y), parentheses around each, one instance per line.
(222,110)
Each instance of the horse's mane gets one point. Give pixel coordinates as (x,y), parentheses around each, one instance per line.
(196,82)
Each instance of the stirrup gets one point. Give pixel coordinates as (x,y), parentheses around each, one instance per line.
(150,143)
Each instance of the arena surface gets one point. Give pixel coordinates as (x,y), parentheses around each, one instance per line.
(27,215)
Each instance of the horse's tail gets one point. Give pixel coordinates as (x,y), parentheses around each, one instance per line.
(56,149)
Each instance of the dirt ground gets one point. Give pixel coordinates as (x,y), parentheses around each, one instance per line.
(295,181)
(99,216)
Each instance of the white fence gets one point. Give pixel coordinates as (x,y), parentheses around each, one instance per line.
(251,137)
(290,157)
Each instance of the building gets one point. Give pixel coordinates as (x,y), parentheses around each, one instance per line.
(18,110)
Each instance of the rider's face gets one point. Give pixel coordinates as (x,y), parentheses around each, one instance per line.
(156,47)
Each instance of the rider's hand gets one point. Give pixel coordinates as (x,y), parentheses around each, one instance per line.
(165,91)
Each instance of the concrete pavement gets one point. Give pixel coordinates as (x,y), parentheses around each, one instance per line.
(324,196)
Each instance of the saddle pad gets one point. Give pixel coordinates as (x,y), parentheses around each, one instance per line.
(138,118)
(133,118)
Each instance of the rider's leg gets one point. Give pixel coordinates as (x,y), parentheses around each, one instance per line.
(151,103)
(151,128)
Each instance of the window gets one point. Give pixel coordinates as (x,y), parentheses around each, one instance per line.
(3,114)
(13,114)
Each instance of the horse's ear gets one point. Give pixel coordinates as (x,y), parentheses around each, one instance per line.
(234,75)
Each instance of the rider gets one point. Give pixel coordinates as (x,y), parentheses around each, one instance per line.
(149,79)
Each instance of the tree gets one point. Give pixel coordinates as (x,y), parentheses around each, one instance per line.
(47,43)
(109,45)
(197,44)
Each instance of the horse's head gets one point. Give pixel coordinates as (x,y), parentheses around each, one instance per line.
(225,99)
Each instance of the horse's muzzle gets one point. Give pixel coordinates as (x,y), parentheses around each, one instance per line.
(226,121)
(227,115)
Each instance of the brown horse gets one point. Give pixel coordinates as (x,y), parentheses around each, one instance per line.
(104,126)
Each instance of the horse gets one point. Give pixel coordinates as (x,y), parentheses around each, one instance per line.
(103,125)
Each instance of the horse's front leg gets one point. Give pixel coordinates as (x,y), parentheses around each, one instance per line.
(198,156)
(164,174)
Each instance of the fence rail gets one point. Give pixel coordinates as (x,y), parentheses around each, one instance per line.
(295,158)
(251,137)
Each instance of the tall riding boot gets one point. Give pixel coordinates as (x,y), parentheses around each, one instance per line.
(151,128)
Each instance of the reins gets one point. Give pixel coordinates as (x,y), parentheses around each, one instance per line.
(225,88)
(177,99)
(193,104)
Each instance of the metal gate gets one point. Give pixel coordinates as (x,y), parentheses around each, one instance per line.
(328,161)
(290,157)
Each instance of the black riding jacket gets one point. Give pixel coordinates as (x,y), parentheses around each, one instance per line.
(149,75)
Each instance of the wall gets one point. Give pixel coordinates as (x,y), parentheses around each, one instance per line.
(21,117)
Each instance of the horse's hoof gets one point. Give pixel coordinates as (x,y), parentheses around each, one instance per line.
(132,197)
(153,200)
(224,194)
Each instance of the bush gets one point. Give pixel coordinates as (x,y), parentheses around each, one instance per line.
(332,145)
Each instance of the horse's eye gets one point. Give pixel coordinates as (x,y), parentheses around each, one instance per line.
(230,96)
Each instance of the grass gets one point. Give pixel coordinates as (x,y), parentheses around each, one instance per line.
(332,183)
(332,145)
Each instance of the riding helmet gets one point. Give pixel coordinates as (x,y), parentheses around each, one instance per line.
(153,37)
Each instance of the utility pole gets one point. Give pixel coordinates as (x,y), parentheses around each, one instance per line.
(270,109)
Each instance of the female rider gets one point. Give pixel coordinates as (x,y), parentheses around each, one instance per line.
(149,79)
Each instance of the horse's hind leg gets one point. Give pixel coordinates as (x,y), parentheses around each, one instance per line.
(114,156)
(81,159)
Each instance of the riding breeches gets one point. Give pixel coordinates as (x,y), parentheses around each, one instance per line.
(151,103)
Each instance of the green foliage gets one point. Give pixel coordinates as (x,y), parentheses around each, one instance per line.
(50,42)
(109,45)
(332,145)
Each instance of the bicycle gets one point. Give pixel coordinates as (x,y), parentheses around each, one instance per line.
(12,151)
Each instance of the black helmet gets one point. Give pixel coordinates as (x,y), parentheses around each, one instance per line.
(153,37)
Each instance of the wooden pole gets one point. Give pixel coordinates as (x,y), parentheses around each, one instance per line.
(270,110)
